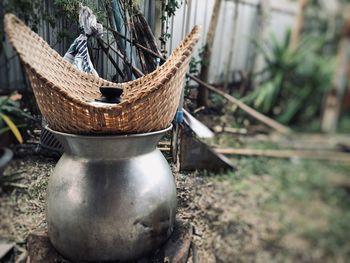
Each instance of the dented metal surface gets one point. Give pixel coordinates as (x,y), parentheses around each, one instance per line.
(110,197)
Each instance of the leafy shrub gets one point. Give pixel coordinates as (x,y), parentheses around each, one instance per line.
(294,80)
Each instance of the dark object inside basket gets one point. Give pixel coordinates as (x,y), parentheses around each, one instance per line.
(110,94)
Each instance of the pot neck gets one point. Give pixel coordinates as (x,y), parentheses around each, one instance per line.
(109,147)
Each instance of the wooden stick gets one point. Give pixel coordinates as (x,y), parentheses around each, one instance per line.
(164,143)
(135,70)
(114,63)
(138,45)
(144,36)
(164,149)
(163,28)
(121,48)
(202,98)
(230,130)
(299,24)
(315,155)
(261,34)
(252,112)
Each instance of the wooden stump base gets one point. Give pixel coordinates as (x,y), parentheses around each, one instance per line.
(175,250)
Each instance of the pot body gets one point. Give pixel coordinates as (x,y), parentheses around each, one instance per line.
(110,197)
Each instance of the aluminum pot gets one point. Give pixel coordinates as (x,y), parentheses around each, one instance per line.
(110,197)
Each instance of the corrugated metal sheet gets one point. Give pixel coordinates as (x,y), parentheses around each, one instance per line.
(198,12)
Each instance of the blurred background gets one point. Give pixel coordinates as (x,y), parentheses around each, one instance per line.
(276,94)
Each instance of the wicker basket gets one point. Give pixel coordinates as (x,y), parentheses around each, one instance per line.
(66,96)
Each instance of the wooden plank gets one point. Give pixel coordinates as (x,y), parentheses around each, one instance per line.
(195,154)
(250,111)
(299,141)
(314,155)
(166,143)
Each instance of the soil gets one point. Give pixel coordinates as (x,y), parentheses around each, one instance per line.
(229,225)
(200,202)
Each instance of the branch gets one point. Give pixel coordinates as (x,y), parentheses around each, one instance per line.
(252,112)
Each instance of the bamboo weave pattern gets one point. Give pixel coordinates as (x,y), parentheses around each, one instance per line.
(65,95)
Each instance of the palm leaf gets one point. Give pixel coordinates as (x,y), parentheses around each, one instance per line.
(4,101)
(19,112)
(12,127)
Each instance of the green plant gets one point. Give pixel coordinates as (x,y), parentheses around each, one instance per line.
(12,117)
(34,13)
(27,10)
(168,10)
(294,80)
(194,67)
(68,7)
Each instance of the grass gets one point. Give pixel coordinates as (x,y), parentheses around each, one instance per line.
(344,124)
(313,210)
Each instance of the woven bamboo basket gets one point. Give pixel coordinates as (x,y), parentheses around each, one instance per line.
(65,95)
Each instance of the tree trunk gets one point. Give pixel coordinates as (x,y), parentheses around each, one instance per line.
(334,99)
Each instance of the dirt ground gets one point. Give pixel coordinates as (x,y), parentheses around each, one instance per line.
(235,216)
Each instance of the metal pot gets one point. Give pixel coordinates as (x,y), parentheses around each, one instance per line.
(110,197)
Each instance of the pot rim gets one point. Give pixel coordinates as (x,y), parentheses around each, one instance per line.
(109,136)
